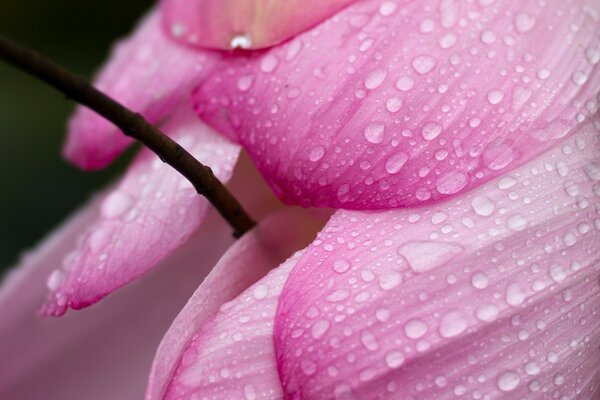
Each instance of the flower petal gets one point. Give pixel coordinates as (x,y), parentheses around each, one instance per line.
(150,213)
(407,102)
(104,352)
(147,73)
(226,24)
(200,345)
(493,294)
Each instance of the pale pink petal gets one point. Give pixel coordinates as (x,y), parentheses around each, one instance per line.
(200,345)
(248,24)
(104,352)
(148,73)
(150,213)
(490,295)
(395,103)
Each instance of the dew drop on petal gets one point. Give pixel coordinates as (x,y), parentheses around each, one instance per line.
(395,162)
(394,359)
(508,381)
(483,206)
(375,78)
(451,182)
(452,323)
(423,256)
(374,132)
(405,83)
(423,64)
(415,328)
(431,130)
(116,204)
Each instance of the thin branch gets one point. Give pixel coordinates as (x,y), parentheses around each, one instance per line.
(133,125)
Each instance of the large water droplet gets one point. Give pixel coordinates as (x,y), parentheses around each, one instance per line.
(116,204)
(508,381)
(374,132)
(483,205)
(375,78)
(423,64)
(431,130)
(452,323)
(415,328)
(395,162)
(524,22)
(451,182)
(424,256)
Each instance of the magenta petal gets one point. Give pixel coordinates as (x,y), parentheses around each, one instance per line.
(149,74)
(226,24)
(150,213)
(104,352)
(493,294)
(200,345)
(396,103)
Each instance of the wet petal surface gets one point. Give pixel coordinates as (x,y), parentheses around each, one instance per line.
(199,355)
(395,103)
(152,211)
(149,74)
(493,294)
(247,24)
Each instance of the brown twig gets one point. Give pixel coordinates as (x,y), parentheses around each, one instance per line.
(133,125)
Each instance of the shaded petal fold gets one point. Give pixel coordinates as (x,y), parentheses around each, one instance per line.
(104,352)
(148,73)
(493,294)
(208,355)
(152,211)
(399,103)
(248,24)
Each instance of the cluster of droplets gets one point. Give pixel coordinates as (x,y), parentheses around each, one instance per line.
(495,292)
(474,101)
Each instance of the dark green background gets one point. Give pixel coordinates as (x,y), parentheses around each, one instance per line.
(37,188)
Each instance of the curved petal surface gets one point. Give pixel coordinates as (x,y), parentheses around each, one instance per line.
(491,295)
(396,103)
(148,73)
(150,213)
(202,344)
(104,352)
(248,24)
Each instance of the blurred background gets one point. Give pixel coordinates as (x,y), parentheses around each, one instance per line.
(37,188)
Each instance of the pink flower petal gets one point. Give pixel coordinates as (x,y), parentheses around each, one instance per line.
(399,103)
(104,352)
(226,24)
(493,294)
(148,73)
(200,346)
(150,213)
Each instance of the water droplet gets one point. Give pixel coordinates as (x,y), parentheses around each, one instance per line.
(554,130)
(479,280)
(394,359)
(116,204)
(532,368)
(387,8)
(498,154)
(245,82)
(374,132)
(395,162)
(261,291)
(508,381)
(451,182)
(55,279)
(431,130)
(524,22)
(319,328)
(448,40)
(375,78)
(579,78)
(516,222)
(369,341)
(405,83)
(495,96)
(424,256)
(393,104)
(487,312)
(415,328)
(423,64)
(557,273)
(341,266)
(269,63)
(249,392)
(452,323)
(389,279)
(316,153)
(514,295)
(240,42)
(483,206)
